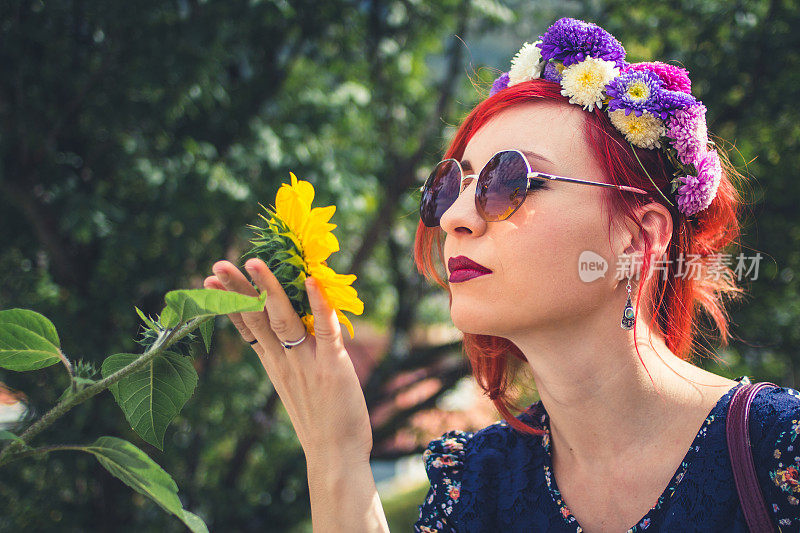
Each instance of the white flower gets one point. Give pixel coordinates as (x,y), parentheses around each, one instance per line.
(585,82)
(644,131)
(526,65)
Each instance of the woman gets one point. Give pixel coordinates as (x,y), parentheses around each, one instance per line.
(557,181)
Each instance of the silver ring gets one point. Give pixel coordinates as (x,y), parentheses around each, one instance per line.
(288,344)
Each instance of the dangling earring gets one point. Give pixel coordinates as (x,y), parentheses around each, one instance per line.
(628,313)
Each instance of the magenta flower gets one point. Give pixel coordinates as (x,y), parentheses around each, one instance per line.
(674,78)
(689,134)
(698,191)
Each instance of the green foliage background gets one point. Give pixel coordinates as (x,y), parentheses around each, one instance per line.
(136,140)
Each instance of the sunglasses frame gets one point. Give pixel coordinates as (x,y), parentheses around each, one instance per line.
(531,176)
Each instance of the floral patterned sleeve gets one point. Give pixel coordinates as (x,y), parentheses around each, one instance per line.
(444,459)
(776,434)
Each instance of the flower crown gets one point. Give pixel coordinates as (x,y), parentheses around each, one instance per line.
(649,103)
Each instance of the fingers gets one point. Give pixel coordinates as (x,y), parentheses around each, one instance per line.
(327,329)
(283,319)
(212,282)
(280,321)
(251,325)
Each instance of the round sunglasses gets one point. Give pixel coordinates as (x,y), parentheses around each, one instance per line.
(503,185)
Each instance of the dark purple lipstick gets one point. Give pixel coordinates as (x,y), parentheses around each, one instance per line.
(463,268)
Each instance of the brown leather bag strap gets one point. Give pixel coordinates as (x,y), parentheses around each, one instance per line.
(744,472)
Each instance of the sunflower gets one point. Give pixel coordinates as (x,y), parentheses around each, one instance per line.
(295,243)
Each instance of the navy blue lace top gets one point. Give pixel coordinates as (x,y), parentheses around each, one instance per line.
(499,479)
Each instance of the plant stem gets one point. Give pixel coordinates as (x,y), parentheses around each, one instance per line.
(165,339)
(633,149)
(37,451)
(69,367)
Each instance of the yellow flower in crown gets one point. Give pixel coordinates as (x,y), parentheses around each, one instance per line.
(296,243)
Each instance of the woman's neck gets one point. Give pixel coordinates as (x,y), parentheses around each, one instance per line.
(603,406)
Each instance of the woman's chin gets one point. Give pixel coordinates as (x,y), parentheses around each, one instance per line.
(473,322)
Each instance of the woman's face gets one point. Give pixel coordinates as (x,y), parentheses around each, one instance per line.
(533,254)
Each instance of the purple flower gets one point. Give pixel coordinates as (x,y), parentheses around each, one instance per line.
(636,91)
(697,192)
(688,131)
(499,84)
(571,41)
(640,90)
(674,78)
(551,72)
(670,102)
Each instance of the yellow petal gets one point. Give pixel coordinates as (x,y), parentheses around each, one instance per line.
(343,319)
(320,247)
(330,277)
(337,288)
(318,221)
(350,303)
(303,188)
(308,321)
(290,208)
(318,241)
(324,214)
(293,203)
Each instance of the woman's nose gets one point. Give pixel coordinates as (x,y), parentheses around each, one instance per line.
(462,216)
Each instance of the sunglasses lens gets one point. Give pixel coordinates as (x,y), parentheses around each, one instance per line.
(440,192)
(502,186)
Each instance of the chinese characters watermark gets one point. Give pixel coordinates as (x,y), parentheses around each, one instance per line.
(592,266)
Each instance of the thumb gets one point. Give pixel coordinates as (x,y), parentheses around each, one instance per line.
(327,331)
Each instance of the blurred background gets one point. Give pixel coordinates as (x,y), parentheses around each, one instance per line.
(137,139)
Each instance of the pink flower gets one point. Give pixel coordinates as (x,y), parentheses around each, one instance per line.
(689,133)
(697,192)
(674,78)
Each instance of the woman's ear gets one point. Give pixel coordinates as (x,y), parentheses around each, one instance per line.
(656,222)
(631,239)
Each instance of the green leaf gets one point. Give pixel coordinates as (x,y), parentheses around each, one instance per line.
(206,330)
(33,321)
(28,340)
(152,396)
(7,435)
(133,467)
(183,305)
(194,522)
(22,348)
(150,324)
(168,318)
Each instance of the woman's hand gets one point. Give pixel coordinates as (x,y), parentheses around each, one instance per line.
(315,380)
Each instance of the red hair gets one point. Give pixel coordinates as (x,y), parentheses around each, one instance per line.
(677,299)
